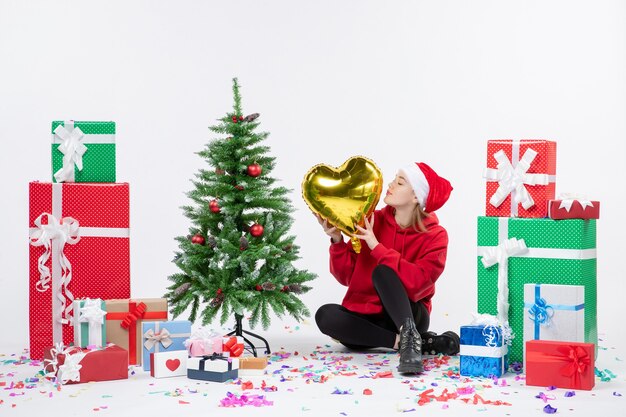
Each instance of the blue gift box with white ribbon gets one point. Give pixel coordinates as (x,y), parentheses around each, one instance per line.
(554,312)
(483,352)
(163,336)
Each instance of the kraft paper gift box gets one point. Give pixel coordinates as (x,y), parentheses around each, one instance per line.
(252,366)
(214,368)
(559,252)
(79,248)
(83,151)
(521,176)
(554,312)
(483,352)
(89,323)
(124,321)
(168,364)
(568,365)
(163,336)
(74,365)
(573,207)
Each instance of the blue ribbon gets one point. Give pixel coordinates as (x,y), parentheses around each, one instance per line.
(541,312)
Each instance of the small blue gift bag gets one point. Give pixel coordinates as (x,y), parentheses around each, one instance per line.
(483,351)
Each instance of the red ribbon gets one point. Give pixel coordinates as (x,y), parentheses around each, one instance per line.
(233,347)
(136,312)
(575,361)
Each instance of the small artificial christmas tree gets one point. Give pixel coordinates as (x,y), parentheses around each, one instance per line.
(238,254)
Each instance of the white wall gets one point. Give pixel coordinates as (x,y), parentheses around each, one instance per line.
(395,81)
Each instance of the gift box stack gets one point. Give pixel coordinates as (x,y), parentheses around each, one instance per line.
(217,358)
(537,263)
(81,318)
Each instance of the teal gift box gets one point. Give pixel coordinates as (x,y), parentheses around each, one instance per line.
(89,323)
(83,151)
(163,336)
(483,352)
(558,252)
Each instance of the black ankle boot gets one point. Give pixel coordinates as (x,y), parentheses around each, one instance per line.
(448,343)
(410,349)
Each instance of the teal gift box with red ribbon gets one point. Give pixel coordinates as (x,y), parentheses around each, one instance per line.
(554,312)
(567,365)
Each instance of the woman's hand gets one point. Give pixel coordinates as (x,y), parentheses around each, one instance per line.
(330,230)
(367,233)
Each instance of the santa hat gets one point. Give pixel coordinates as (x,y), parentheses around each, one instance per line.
(432,191)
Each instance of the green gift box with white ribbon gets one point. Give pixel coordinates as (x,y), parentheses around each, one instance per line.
(89,323)
(83,151)
(517,251)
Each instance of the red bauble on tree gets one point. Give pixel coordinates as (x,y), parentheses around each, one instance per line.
(254,170)
(256,230)
(258,288)
(214,206)
(197,239)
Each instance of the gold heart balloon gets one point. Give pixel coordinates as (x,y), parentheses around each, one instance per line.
(344,196)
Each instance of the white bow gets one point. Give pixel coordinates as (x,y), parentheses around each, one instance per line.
(92,312)
(73,150)
(500,255)
(567,199)
(514,180)
(70,370)
(493,327)
(152,338)
(64,231)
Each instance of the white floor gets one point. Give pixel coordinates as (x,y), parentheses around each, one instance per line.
(313,376)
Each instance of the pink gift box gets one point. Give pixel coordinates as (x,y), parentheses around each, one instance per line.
(204,347)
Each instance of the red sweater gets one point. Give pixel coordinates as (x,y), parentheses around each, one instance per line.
(417,257)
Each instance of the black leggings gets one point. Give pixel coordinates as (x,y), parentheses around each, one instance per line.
(361,331)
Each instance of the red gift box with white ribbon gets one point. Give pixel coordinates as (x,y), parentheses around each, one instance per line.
(79,248)
(572,206)
(521,177)
(561,364)
(74,365)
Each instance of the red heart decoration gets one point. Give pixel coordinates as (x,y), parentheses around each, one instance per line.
(172,364)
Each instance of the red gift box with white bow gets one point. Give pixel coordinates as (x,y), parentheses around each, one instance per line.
(79,248)
(521,177)
(573,207)
(561,364)
(74,365)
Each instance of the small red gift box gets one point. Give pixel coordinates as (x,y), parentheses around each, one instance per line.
(520,177)
(74,365)
(560,364)
(573,208)
(79,248)
(233,345)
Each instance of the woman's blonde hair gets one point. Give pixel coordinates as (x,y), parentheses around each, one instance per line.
(418,216)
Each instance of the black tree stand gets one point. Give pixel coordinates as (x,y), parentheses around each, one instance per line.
(239,331)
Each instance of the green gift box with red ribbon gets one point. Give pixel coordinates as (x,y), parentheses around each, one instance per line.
(124,320)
